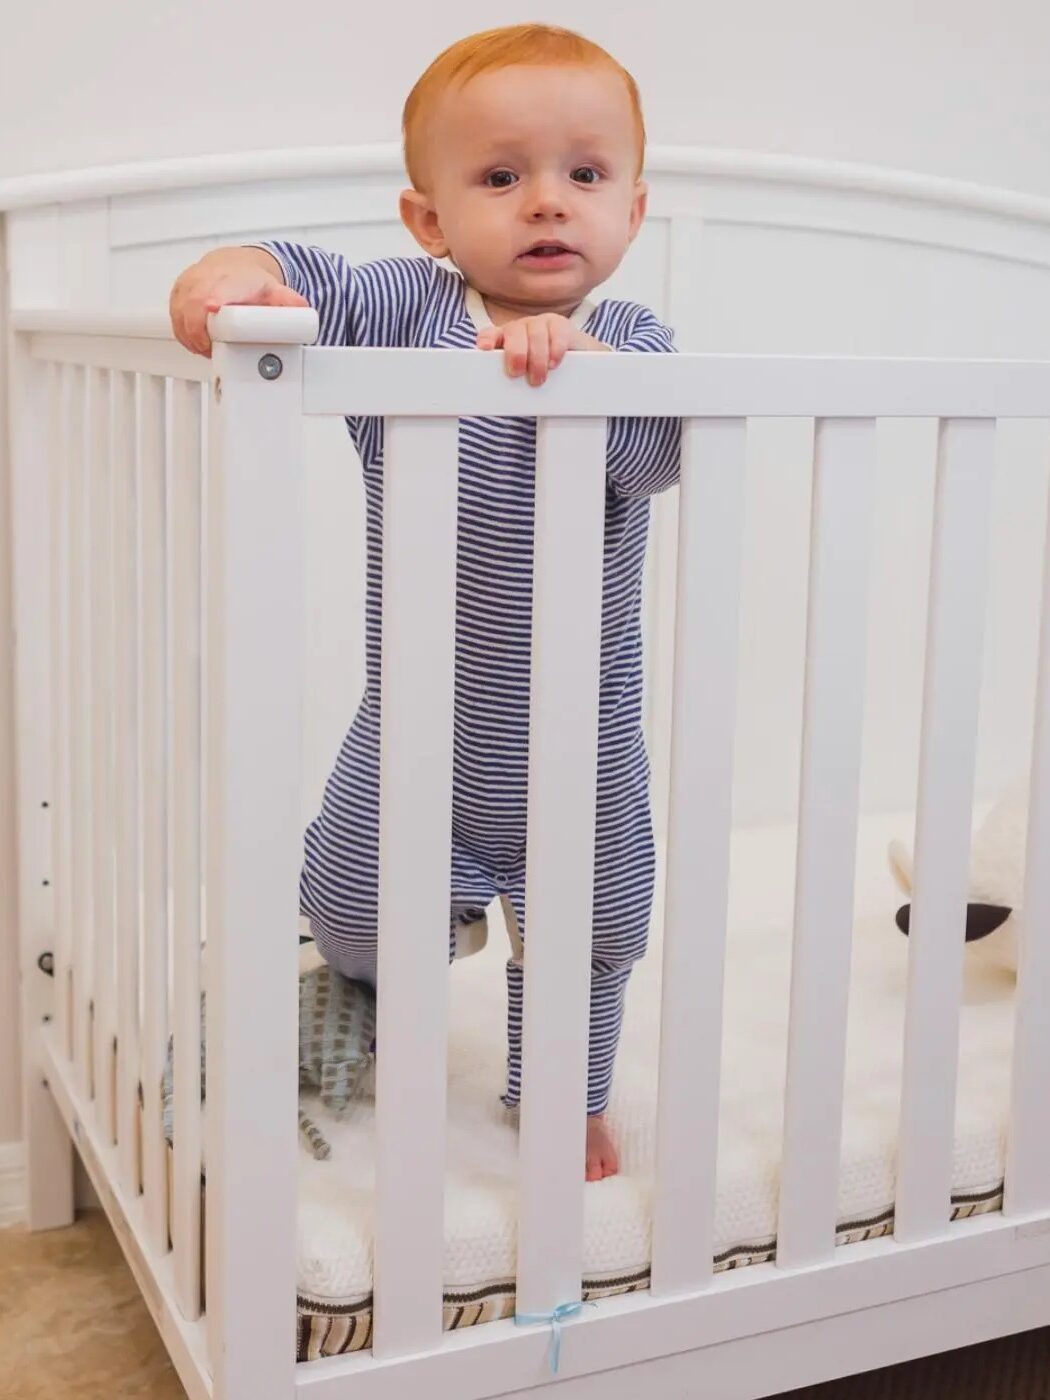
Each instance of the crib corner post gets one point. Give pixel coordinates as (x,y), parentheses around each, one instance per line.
(254,555)
(48,1148)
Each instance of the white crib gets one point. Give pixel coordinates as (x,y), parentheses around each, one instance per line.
(159,557)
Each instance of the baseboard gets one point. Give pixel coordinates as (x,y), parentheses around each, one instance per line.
(12,1183)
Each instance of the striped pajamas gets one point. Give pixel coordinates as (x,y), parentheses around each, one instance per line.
(417,302)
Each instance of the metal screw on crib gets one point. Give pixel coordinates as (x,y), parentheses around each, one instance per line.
(270,366)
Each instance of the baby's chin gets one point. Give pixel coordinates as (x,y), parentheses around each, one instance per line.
(541,289)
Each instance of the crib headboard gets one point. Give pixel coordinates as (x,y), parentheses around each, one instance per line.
(740,253)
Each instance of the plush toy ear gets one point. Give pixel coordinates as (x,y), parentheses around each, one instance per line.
(981,919)
(900,865)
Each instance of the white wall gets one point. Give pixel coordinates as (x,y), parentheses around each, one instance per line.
(952,87)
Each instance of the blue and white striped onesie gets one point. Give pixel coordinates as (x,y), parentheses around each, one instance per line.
(418,302)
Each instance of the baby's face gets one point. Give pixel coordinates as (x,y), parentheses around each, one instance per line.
(531,185)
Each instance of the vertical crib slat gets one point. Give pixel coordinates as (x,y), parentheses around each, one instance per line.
(152,631)
(80,718)
(710,535)
(126,772)
(419,579)
(184,665)
(38,800)
(827,839)
(563,744)
(1027,1189)
(943,825)
(100,563)
(62,856)
(253,717)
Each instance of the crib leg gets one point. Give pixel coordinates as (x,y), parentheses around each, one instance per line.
(49,1152)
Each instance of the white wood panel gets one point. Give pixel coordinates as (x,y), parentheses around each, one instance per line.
(1027,1189)
(184,678)
(415,799)
(774,288)
(126,772)
(836,645)
(711,523)
(253,719)
(217,212)
(559,889)
(153,794)
(40,795)
(753,1307)
(103,797)
(61,799)
(83,244)
(942,848)
(33,256)
(75,450)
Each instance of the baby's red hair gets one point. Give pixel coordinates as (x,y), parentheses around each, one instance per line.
(503,48)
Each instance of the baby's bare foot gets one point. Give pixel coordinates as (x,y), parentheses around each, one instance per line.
(602,1159)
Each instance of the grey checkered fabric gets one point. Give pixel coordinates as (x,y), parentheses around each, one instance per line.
(336,1046)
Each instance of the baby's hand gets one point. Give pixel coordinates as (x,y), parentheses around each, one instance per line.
(229,276)
(536,344)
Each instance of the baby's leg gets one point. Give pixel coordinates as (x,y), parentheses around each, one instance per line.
(623,894)
(601,1158)
(339,895)
(623,899)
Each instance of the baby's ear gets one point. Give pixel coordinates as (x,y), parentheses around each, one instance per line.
(638,207)
(419,216)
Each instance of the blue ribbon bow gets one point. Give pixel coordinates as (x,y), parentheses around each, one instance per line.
(554,1320)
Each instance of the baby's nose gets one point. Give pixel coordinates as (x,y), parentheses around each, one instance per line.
(547,211)
(546,201)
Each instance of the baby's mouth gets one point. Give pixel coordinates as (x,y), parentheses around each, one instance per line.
(549,254)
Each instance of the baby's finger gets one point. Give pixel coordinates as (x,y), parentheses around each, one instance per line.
(560,338)
(539,351)
(196,326)
(490,338)
(186,333)
(515,348)
(279,295)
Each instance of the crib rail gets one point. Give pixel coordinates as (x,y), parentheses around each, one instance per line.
(165,705)
(122,459)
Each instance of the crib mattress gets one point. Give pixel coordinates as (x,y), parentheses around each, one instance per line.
(335,1205)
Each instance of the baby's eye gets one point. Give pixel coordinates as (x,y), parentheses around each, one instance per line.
(500,179)
(586,175)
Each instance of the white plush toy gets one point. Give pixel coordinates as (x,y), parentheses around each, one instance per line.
(997,862)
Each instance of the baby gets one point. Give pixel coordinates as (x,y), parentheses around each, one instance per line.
(524,149)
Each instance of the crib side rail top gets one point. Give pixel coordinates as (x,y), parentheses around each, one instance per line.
(413,383)
(233,595)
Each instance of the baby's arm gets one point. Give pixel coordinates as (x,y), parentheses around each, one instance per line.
(378,303)
(644,453)
(224,277)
